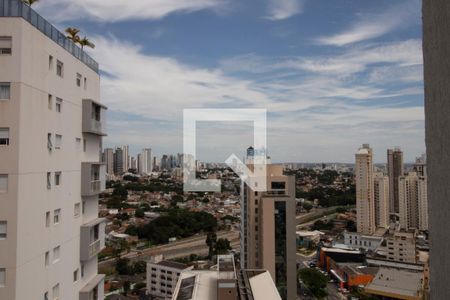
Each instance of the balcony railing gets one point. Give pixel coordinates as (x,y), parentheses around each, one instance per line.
(92,239)
(93,178)
(15,8)
(94,248)
(94,117)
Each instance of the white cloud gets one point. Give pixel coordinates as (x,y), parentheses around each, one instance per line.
(373,26)
(119,10)
(320,115)
(284,9)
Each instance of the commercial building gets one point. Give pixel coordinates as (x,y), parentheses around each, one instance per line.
(51,129)
(226,283)
(395,170)
(108,159)
(365,201)
(391,283)
(119,167)
(268,236)
(162,278)
(361,241)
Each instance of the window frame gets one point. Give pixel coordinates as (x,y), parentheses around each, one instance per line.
(8,85)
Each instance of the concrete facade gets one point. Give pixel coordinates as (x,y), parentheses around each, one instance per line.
(436,47)
(268,236)
(43,206)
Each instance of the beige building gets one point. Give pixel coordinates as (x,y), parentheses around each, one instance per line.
(381,197)
(395,170)
(401,246)
(268,236)
(365,201)
(51,128)
(413,201)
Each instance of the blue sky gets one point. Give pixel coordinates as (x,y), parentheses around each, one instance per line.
(332,74)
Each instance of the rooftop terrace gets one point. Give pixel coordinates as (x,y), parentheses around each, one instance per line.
(16,8)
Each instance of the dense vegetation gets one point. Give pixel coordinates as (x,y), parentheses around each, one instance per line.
(315,281)
(176,223)
(329,196)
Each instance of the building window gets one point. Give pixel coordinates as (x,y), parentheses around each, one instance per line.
(84,145)
(78,80)
(56,254)
(85,83)
(49,180)
(47,258)
(49,141)
(56,216)
(58,105)
(46,296)
(75,275)
(4,136)
(2,277)
(3,183)
(58,141)
(5,45)
(82,271)
(76,210)
(3,230)
(58,178)
(83,207)
(50,102)
(59,69)
(50,62)
(5,90)
(56,292)
(47,219)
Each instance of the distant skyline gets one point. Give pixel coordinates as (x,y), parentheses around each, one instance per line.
(332,74)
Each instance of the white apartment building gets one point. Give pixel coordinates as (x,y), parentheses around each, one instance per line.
(146,162)
(381,198)
(365,202)
(366,242)
(162,277)
(51,128)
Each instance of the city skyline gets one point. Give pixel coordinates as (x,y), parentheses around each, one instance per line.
(332,76)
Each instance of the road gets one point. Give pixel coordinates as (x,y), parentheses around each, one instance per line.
(178,249)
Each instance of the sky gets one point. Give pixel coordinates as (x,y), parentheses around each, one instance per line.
(331,74)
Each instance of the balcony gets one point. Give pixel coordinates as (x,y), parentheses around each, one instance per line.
(93,290)
(92,239)
(93,176)
(93,117)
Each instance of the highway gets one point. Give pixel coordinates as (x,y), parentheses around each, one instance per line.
(181,248)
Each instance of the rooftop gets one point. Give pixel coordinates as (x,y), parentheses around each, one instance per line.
(16,8)
(173,264)
(390,281)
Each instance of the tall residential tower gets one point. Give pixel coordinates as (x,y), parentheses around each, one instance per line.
(51,128)
(268,230)
(365,201)
(395,170)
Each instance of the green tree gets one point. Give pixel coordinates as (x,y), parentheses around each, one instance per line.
(29,2)
(72,34)
(222,246)
(211,240)
(140,267)
(315,281)
(86,42)
(122,266)
(307,206)
(139,213)
(120,191)
(126,287)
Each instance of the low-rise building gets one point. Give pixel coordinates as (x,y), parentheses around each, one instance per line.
(366,242)
(162,277)
(401,246)
(391,283)
(226,283)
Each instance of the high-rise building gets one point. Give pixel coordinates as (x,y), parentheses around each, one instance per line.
(381,197)
(125,158)
(413,201)
(108,159)
(118,162)
(51,129)
(395,170)
(133,163)
(365,203)
(164,162)
(268,230)
(420,166)
(146,161)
